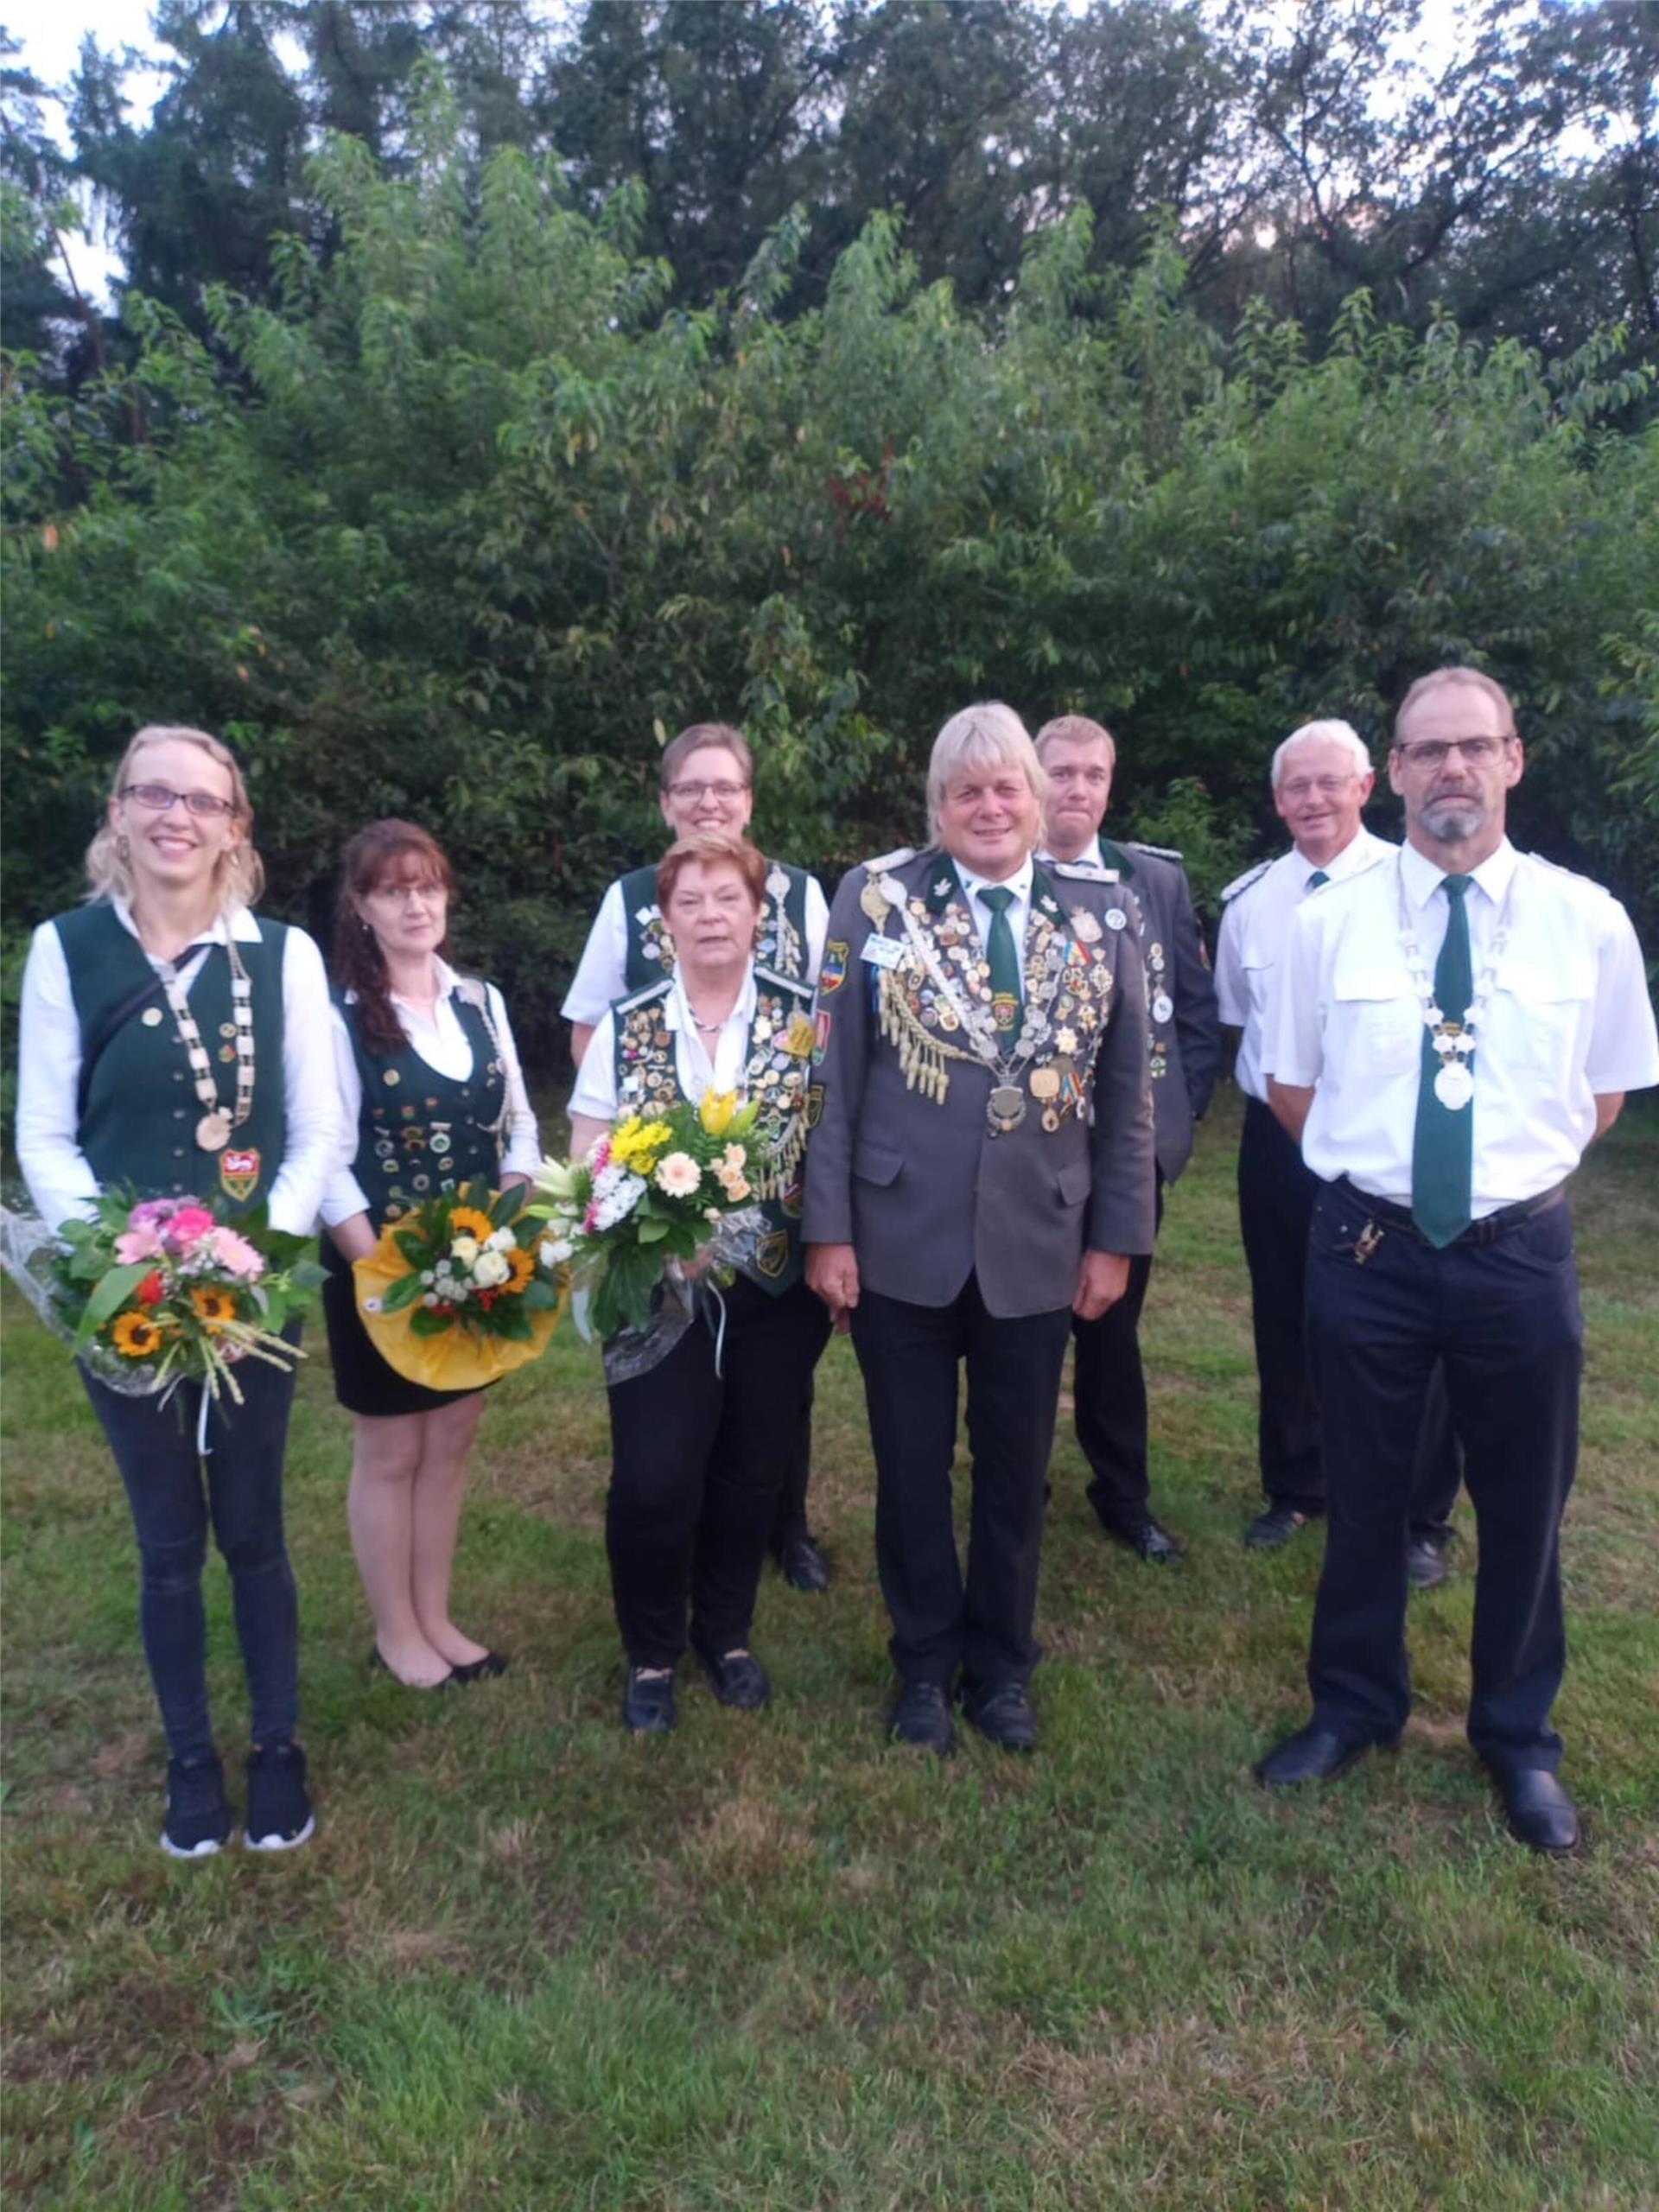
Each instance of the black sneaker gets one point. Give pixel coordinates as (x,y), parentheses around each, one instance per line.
(1272,1529)
(198,1815)
(279,1809)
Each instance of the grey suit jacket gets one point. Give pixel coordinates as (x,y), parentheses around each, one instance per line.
(1185,1044)
(919,1186)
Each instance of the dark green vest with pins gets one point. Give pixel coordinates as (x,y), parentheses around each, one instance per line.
(139,1126)
(420,1132)
(774,1078)
(780,944)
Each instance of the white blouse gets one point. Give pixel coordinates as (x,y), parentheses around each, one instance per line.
(596,1094)
(440,1041)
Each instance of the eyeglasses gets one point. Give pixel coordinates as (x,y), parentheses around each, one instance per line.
(1326,786)
(158,797)
(695,791)
(405,894)
(1434,752)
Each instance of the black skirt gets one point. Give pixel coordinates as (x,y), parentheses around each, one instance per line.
(363,1382)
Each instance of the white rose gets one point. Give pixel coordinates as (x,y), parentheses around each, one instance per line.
(491,1269)
(502,1241)
(464,1248)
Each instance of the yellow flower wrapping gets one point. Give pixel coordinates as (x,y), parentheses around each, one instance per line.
(455,1361)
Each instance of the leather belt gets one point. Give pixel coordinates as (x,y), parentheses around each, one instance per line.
(1486,1231)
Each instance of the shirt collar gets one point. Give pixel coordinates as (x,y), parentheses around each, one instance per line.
(1358,853)
(1090,856)
(678,1005)
(238,923)
(1019,882)
(1423,877)
(447,980)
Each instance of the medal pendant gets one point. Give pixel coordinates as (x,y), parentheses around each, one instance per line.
(1006,1108)
(1163,1008)
(1454,1086)
(213,1132)
(1045,1083)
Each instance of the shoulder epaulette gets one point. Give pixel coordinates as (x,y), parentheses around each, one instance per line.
(1572,873)
(890,859)
(653,990)
(1157,852)
(1243,883)
(1083,872)
(796,986)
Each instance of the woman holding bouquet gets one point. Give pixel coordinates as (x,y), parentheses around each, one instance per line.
(432,1098)
(702,1440)
(172,1041)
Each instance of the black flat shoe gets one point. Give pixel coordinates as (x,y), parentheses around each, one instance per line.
(481,1670)
(1148,1541)
(921,1718)
(802,1565)
(1002,1712)
(1313,1754)
(1272,1530)
(648,1707)
(1540,1813)
(739,1680)
(379,1664)
(1426,1567)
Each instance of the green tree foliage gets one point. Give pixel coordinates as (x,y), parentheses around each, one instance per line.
(480,517)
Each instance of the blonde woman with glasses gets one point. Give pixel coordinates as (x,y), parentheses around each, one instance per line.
(175,1042)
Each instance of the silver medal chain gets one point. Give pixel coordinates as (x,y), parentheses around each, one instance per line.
(213,1129)
(1454,1082)
(978,1022)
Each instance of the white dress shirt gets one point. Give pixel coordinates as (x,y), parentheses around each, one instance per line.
(1568,1018)
(1090,856)
(58,1174)
(697,1069)
(1254,930)
(601,975)
(440,1041)
(1019,912)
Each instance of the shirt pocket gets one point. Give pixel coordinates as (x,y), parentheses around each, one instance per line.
(1544,1007)
(1378,1021)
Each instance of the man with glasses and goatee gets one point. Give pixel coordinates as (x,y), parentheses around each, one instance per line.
(707,788)
(1450,1031)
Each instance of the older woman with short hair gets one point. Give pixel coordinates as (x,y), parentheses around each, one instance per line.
(700,1442)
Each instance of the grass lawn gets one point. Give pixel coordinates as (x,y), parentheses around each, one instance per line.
(770,1963)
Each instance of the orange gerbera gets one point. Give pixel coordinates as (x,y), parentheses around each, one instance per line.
(468,1221)
(523,1264)
(213,1306)
(135,1336)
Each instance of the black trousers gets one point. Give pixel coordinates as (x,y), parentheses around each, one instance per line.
(1276,1192)
(174,1494)
(698,1458)
(910,1356)
(1503,1322)
(790,1520)
(1108,1392)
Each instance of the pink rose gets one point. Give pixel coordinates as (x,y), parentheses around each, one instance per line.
(236,1252)
(188,1227)
(140,1243)
(149,1211)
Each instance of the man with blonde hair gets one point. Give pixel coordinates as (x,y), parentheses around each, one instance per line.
(1183,1052)
(1451,1029)
(981,1167)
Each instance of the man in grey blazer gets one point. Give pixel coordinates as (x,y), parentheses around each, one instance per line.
(1183,1057)
(980,1166)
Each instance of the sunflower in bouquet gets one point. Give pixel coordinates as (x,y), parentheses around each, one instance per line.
(650,1198)
(462,1289)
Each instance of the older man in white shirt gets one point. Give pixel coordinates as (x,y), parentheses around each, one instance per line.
(1450,1032)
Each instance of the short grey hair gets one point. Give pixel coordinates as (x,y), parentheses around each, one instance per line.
(985,735)
(1476,679)
(1344,733)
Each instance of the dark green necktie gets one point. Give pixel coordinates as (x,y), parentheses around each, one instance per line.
(1317,877)
(1003,958)
(1443,1150)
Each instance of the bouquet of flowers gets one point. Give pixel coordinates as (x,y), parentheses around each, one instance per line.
(462,1289)
(654,1195)
(154,1291)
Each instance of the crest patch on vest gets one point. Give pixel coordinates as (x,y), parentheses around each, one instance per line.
(833,974)
(773,1256)
(239,1172)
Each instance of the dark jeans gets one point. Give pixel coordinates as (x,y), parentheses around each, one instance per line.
(697,1461)
(155,1448)
(910,1356)
(1503,1322)
(1108,1391)
(1276,1193)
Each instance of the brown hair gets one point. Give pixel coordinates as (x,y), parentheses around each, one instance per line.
(713,852)
(240,875)
(1076,729)
(1475,678)
(697,736)
(372,857)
